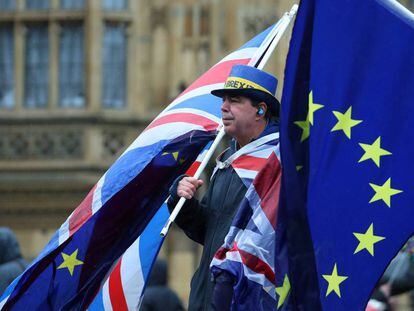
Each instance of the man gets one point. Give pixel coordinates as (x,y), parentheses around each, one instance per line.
(249,114)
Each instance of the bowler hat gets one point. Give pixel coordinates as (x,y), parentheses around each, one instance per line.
(253,83)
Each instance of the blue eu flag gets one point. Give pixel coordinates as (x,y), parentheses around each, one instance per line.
(346,142)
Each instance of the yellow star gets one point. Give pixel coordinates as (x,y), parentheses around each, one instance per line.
(174,154)
(312,108)
(334,280)
(373,152)
(384,192)
(304,125)
(298,167)
(367,240)
(345,122)
(70,261)
(283,291)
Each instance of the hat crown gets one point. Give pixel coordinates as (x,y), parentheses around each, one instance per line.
(254,83)
(242,76)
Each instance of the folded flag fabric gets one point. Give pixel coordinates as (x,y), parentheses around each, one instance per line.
(249,247)
(124,288)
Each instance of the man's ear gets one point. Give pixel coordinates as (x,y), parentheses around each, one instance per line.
(261,110)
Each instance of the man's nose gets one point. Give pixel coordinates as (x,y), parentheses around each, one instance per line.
(225,105)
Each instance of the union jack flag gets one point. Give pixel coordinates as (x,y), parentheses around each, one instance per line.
(249,247)
(87,248)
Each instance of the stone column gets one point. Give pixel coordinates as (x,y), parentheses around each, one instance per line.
(93,49)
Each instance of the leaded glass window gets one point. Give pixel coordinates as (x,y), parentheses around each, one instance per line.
(114,66)
(37,4)
(71,66)
(114,5)
(36,66)
(7,5)
(6,66)
(72,4)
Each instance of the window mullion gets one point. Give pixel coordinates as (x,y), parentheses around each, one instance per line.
(53,64)
(93,37)
(19,61)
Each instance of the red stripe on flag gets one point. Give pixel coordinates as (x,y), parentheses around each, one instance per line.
(82,213)
(249,163)
(253,262)
(217,74)
(208,124)
(257,265)
(193,168)
(116,293)
(221,253)
(267,185)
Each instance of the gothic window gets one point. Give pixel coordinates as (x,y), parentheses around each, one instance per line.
(114,66)
(36,66)
(7,5)
(114,5)
(6,66)
(71,66)
(72,4)
(46,60)
(37,4)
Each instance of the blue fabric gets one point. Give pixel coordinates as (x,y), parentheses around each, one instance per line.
(101,240)
(256,76)
(357,54)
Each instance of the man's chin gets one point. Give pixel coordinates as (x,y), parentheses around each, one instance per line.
(229,130)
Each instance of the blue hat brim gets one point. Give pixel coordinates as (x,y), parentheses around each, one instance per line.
(255,94)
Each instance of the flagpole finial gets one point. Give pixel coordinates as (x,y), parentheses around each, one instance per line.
(293,10)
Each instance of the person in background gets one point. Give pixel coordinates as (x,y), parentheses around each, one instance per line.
(12,263)
(158,296)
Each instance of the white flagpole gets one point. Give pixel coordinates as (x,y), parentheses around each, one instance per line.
(279,29)
(197,174)
(284,23)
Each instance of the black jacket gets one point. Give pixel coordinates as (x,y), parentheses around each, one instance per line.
(207,222)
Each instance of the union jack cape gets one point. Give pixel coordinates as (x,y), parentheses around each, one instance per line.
(249,247)
(120,218)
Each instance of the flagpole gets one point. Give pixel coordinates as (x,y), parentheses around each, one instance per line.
(280,28)
(197,175)
(285,21)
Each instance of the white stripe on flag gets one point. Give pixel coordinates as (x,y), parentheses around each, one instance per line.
(131,276)
(202,90)
(190,110)
(3,302)
(97,195)
(240,54)
(166,131)
(246,174)
(106,300)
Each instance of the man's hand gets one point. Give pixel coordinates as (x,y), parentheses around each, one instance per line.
(188,186)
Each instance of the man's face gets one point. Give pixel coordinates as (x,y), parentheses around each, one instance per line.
(239,116)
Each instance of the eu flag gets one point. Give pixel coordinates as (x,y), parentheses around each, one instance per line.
(346,128)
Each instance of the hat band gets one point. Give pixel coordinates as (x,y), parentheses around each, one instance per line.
(240,83)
